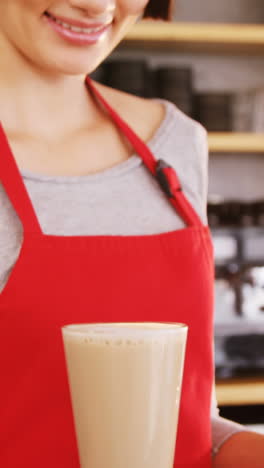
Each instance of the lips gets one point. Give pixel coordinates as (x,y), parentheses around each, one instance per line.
(77,32)
(76,24)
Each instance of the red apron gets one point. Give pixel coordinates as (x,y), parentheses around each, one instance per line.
(60,280)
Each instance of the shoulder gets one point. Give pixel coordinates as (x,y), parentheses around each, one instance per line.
(171,135)
(144,116)
(156,118)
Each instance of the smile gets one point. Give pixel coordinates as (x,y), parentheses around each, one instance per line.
(75,32)
(74,28)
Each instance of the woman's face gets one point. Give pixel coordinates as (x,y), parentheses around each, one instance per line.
(32,29)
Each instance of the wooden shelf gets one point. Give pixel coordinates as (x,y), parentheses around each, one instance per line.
(240,392)
(236,142)
(197,37)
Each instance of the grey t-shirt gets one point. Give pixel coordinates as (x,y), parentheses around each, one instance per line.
(122,200)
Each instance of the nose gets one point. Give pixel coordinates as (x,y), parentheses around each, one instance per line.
(94,8)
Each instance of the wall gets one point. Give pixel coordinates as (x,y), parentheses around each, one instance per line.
(233,11)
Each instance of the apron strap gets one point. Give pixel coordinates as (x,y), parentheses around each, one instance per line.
(13,184)
(164,174)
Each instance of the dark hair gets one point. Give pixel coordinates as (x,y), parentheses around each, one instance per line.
(159,9)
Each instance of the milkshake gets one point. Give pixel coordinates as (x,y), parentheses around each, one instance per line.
(125,381)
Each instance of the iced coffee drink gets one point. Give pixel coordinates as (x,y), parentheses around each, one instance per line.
(125,381)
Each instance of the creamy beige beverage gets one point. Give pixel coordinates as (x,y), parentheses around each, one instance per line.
(125,382)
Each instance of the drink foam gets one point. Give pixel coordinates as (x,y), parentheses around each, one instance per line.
(121,333)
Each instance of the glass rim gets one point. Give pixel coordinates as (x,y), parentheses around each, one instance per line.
(131,328)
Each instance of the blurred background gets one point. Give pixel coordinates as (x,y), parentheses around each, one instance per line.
(209,62)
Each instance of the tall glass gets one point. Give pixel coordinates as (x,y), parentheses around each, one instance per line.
(125,381)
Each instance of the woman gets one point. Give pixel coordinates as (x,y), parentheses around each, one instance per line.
(94,226)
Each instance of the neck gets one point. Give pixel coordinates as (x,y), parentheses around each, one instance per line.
(40,102)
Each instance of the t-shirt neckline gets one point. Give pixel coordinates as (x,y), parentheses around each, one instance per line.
(118,169)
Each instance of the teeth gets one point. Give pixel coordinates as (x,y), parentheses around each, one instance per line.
(76,28)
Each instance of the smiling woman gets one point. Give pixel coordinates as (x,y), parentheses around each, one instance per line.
(34,30)
(94,226)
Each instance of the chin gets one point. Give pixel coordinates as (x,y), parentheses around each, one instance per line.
(69,62)
(73,69)
(71,66)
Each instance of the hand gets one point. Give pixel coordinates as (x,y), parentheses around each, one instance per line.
(242,450)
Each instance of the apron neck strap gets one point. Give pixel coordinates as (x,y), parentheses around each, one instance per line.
(165,175)
(13,184)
